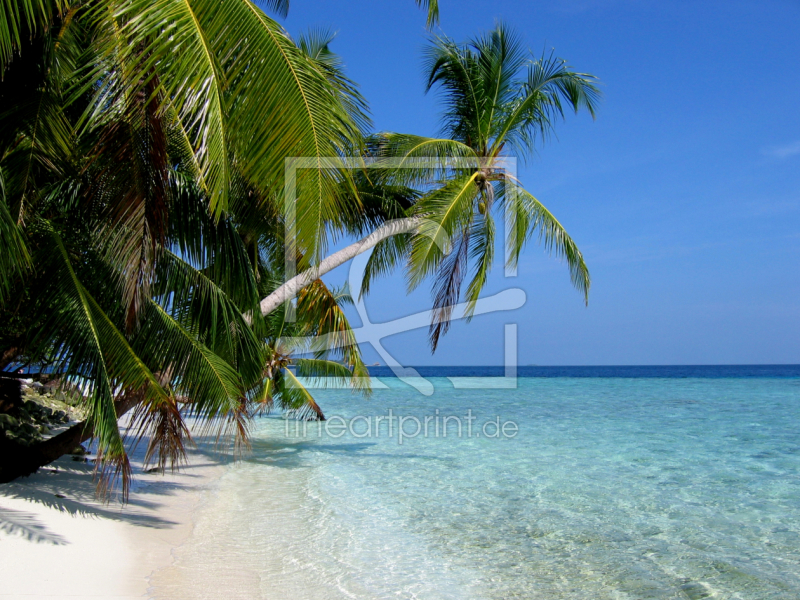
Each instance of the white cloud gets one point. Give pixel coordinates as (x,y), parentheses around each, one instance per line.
(784,151)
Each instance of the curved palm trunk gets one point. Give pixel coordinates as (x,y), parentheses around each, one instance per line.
(291,288)
(17,460)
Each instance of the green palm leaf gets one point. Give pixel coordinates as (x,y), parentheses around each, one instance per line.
(15,259)
(549,84)
(447,286)
(315,44)
(412,160)
(445,211)
(21,19)
(196,301)
(194,79)
(253,96)
(89,347)
(208,384)
(293,396)
(526,217)
(387,256)
(329,330)
(36,139)
(432,7)
(320,371)
(481,252)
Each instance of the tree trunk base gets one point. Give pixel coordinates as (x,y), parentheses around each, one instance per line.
(19,460)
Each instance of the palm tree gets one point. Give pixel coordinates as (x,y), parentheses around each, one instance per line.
(430,203)
(142,156)
(325,334)
(142,153)
(498,102)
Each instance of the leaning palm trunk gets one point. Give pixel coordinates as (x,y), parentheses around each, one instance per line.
(18,460)
(293,286)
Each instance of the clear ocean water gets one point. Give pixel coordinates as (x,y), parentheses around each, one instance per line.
(667,483)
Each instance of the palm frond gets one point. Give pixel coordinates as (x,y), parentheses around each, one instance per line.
(200,305)
(279,7)
(552,74)
(320,309)
(315,44)
(21,20)
(36,138)
(294,397)
(194,81)
(447,287)
(261,396)
(500,55)
(445,211)
(15,259)
(549,85)
(252,95)
(167,434)
(481,252)
(131,178)
(217,248)
(320,371)
(209,385)
(387,256)
(412,160)
(432,6)
(456,71)
(90,347)
(526,217)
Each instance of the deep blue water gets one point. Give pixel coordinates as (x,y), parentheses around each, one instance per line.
(666,371)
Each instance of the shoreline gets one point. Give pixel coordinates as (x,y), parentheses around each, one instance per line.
(634,488)
(59,541)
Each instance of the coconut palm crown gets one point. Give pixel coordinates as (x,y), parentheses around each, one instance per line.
(499,102)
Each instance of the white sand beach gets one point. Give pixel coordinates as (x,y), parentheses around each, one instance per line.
(58,541)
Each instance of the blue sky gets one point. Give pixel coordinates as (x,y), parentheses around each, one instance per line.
(684,194)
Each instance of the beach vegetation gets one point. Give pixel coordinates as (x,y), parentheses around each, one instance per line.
(142,168)
(143,151)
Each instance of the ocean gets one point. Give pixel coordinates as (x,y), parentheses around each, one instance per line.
(621,483)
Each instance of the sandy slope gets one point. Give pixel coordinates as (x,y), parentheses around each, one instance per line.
(77,547)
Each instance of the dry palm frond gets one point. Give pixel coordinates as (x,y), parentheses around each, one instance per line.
(166,432)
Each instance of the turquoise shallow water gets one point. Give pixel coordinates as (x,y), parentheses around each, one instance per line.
(611,489)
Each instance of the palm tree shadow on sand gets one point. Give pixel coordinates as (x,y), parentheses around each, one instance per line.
(68,487)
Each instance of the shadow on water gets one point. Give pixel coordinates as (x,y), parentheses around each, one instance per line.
(289,455)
